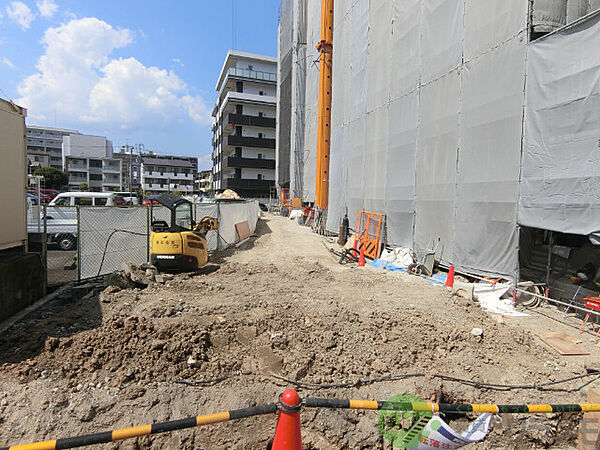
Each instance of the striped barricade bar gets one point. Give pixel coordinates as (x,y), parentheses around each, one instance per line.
(145,430)
(450,407)
(309,402)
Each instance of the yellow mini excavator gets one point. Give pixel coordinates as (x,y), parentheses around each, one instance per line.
(180,245)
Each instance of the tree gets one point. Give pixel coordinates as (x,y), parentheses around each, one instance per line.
(83,186)
(53,178)
(176,192)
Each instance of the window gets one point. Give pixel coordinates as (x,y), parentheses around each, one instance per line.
(239,86)
(238,131)
(259,176)
(261,93)
(239,109)
(83,201)
(238,152)
(250,67)
(260,135)
(63,201)
(95,177)
(260,114)
(95,163)
(259,156)
(101,201)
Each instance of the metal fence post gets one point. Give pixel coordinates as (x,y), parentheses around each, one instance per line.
(148,220)
(78,246)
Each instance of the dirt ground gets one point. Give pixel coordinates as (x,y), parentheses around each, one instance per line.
(280,305)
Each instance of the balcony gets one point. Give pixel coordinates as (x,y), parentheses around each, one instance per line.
(242,183)
(255,121)
(254,163)
(248,141)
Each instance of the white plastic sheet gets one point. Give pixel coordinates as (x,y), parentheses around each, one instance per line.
(442,34)
(489,159)
(436,165)
(400,169)
(110,236)
(560,187)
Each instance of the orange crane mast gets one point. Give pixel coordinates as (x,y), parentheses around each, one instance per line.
(325,47)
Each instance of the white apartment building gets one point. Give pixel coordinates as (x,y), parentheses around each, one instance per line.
(48,141)
(165,173)
(89,159)
(244,125)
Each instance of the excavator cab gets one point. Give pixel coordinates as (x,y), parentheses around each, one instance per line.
(180,243)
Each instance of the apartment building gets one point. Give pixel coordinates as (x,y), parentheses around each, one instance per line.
(166,173)
(48,141)
(203,182)
(89,159)
(244,125)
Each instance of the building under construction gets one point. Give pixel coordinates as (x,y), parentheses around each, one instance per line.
(473,125)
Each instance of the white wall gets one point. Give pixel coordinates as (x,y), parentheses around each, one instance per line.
(253,153)
(253,110)
(258,66)
(248,131)
(252,174)
(255,88)
(88,146)
(13,173)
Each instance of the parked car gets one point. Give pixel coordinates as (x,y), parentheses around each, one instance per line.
(130,198)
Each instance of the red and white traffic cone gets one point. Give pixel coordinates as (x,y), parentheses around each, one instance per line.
(287,431)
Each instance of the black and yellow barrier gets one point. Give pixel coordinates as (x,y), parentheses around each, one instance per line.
(145,430)
(269,408)
(449,407)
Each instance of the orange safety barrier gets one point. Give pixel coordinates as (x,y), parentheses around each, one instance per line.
(367,232)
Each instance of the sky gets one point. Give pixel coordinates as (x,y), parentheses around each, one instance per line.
(135,71)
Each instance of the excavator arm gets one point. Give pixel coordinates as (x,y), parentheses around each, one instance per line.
(207,224)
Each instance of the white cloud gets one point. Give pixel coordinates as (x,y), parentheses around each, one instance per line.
(20,13)
(78,76)
(8,62)
(47,8)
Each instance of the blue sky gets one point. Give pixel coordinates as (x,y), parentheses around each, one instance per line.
(142,71)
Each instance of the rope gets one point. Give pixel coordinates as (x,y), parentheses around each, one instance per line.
(108,240)
(491,386)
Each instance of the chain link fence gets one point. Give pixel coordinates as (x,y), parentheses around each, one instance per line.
(109,236)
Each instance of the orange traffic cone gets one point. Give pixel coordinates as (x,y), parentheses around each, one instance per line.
(450,277)
(287,431)
(361,258)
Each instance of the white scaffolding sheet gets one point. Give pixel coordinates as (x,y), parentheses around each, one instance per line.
(489,159)
(560,187)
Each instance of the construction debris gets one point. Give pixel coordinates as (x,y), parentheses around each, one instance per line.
(229,195)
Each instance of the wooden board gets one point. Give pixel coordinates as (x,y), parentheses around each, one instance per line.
(243,230)
(562,345)
(296,202)
(565,336)
(589,431)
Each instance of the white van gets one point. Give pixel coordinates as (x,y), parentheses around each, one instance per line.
(86,199)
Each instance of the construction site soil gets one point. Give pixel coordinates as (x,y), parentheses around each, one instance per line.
(279,306)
